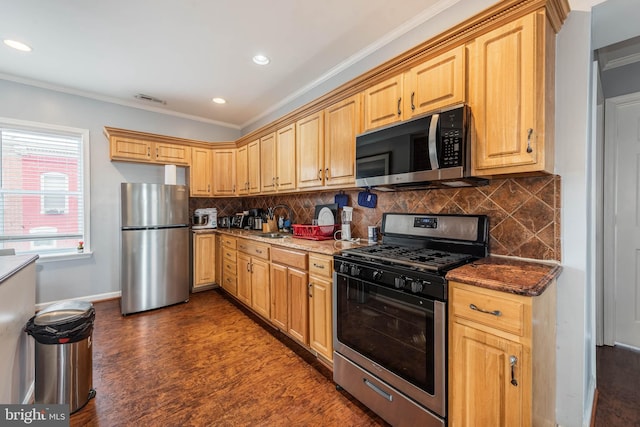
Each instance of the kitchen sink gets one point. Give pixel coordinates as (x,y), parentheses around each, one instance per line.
(273,235)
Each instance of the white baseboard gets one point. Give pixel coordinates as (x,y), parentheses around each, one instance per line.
(89,298)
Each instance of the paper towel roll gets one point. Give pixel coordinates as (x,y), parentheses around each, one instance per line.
(170,174)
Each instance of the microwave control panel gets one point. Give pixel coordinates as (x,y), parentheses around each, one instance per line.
(451,148)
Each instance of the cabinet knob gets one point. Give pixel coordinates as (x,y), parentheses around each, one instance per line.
(399,101)
(413,95)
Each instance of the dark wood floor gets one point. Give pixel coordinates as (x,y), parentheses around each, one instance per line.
(207,363)
(618,378)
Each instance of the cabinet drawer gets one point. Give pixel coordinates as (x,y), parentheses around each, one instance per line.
(320,265)
(254,249)
(289,257)
(229,242)
(490,310)
(229,267)
(229,254)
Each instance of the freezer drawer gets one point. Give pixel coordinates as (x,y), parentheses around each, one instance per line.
(155,268)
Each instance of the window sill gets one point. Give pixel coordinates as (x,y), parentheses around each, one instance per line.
(63,257)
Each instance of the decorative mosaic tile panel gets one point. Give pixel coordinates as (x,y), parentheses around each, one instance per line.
(524,213)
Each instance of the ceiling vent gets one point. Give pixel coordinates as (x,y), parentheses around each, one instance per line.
(150,98)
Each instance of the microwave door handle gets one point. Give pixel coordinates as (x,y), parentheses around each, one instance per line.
(433,143)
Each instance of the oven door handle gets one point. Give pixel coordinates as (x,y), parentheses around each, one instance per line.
(378,390)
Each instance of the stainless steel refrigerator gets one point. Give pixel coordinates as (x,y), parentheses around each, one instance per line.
(155,256)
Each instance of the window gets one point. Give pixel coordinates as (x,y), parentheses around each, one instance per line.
(44,197)
(55,187)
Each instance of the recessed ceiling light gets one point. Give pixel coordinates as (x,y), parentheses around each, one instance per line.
(261,60)
(219,100)
(17,45)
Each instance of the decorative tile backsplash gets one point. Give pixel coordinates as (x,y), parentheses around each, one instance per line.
(524,213)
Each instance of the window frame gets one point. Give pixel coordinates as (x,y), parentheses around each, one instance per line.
(84,134)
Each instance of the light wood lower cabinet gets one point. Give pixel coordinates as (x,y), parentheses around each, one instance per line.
(204,261)
(502,366)
(320,310)
(289,301)
(229,263)
(254,284)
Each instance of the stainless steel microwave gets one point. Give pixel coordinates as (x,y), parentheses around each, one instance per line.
(425,152)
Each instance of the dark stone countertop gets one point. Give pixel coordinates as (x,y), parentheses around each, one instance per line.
(518,277)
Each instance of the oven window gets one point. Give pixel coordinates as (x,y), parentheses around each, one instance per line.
(397,335)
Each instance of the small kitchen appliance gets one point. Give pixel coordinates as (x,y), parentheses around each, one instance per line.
(240,220)
(390,314)
(205,218)
(345,228)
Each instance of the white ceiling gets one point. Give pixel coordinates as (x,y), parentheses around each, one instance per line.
(186,52)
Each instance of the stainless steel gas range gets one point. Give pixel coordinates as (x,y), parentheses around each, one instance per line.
(390,314)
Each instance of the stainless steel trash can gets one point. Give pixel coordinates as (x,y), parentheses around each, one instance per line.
(63,353)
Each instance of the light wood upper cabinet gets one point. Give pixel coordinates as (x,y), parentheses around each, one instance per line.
(342,122)
(310,150)
(224,172)
(130,149)
(286,158)
(248,168)
(268,163)
(436,83)
(383,103)
(201,172)
(204,260)
(140,150)
(511,88)
(278,160)
(253,166)
(496,341)
(242,170)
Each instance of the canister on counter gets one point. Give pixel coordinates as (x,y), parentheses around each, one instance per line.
(372,233)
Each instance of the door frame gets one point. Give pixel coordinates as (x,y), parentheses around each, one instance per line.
(609,199)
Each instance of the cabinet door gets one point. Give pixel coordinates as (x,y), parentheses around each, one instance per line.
(279,296)
(504,90)
(286,158)
(253,166)
(298,305)
(268,163)
(383,103)
(204,259)
(436,83)
(224,172)
(320,329)
(242,170)
(200,174)
(130,149)
(480,388)
(172,154)
(310,150)
(260,287)
(244,278)
(342,124)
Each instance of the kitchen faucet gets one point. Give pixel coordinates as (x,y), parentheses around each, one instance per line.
(289,211)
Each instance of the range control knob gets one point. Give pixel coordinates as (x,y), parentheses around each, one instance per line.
(355,271)
(416,287)
(344,267)
(377,275)
(399,282)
